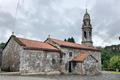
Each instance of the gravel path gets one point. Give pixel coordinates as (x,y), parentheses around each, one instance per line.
(105,76)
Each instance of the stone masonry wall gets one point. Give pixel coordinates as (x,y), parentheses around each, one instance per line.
(33,61)
(10,57)
(0,57)
(75,52)
(66,57)
(97,55)
(15,58)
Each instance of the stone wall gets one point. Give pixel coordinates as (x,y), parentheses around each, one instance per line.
(97,55)
(90,66)
(66,58)
(33,61)
(10,57)
(15,58)
(75,52)
(113,47)
(0,57)
(66,51)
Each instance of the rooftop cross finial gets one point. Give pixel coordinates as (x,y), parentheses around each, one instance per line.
(49,36)
(12,33)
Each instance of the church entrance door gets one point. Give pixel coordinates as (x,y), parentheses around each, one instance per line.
(70,67)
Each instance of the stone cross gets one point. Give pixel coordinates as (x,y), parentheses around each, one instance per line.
(13,33)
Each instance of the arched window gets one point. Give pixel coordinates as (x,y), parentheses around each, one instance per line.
(85,35)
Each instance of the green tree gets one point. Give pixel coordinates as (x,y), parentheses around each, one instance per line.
(2,45)
(115,62)
(70,39)
(65,40)
(105,57)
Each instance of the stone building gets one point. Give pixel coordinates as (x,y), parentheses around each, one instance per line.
(0,57)
(31,56)
(113,47)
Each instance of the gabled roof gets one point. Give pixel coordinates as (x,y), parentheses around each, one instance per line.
(33,44)
(73,45)
(82,56)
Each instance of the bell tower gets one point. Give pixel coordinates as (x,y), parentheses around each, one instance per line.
(87,30)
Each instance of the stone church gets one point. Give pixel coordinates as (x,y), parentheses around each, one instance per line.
(31,56)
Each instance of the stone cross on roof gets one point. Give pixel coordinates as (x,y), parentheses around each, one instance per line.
(13,33)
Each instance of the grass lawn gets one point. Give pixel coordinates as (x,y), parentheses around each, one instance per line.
(115,72)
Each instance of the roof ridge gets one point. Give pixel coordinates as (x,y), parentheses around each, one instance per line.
(65,41)
(70,44)
(30,39)
(35,44)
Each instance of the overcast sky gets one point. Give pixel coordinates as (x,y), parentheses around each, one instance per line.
(36,19)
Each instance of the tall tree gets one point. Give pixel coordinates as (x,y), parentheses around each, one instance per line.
(70,39)
(65,40)
(2,45)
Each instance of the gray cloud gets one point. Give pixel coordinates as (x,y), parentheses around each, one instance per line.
(6,25)
(106,19)
(62,19)
(6,20)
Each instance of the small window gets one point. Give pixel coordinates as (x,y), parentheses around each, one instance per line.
(85,34)
(53,61)
(70,54)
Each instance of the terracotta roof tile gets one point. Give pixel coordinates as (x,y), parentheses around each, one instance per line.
(33,44)
(81,57)
(73,45)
